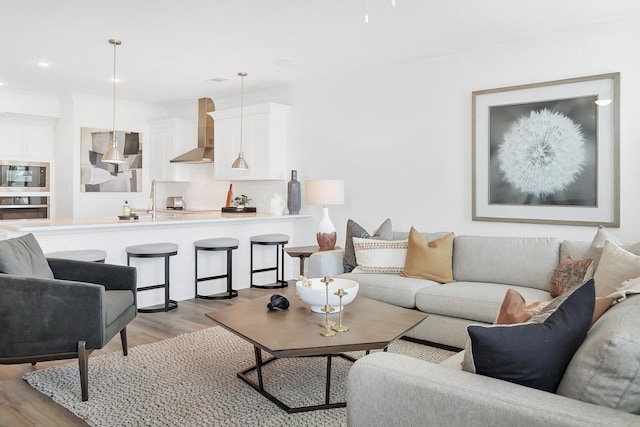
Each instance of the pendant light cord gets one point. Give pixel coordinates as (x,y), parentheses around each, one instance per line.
(113,127)
(241,106)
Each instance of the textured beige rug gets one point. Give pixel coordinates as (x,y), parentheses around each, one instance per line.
(190,380)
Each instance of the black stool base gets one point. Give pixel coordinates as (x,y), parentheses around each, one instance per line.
(158,309)
(276,285)
(224,295)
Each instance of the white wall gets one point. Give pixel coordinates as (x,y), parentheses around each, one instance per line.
(400,136)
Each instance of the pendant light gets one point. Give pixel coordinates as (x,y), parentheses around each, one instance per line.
(240,162)
(113,154)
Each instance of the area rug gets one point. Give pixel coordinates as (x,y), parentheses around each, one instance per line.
(190,380)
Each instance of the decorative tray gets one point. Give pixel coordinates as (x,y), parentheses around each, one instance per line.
(236,209)
(129,218)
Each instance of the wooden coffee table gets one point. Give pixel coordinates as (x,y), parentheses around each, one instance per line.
(296,333)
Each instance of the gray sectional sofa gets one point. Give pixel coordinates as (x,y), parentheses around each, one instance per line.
(483,269)
(601,385)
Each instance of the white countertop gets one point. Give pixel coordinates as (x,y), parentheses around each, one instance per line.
(145,220)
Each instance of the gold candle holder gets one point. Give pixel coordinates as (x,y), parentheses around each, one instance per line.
(340,327)
(327,308)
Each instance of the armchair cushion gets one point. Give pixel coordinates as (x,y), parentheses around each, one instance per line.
(22,256)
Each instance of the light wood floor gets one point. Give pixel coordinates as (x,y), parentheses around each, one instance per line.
(21,405)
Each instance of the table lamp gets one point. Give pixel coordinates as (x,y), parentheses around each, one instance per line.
(325,192)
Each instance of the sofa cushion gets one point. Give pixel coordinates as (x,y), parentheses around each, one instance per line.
(477,301)
(605,370)
(390,288)
(429,260)
(116,303)
(533,354)
(354,229)
(616,266)
(379,256)
(520,261)
(568,274)
(22,256)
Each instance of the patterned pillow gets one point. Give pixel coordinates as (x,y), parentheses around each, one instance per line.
(384,232)
(569,274)
(379,256)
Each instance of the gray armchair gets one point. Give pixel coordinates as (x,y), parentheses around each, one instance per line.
(77,311)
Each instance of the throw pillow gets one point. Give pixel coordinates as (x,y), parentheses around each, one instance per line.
(384,232)
(569,274)
(22,256)
(514,309)
(379,256)
(429,260)
(597,245)
(533,354)
(616,266)
(628,287)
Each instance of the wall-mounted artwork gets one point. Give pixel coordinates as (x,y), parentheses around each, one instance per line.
(548,152)
(97,176)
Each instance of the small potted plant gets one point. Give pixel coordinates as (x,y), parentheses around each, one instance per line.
(241,201)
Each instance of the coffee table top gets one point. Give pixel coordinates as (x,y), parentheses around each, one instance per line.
(296,332)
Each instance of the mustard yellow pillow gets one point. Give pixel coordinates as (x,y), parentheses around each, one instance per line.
(429,260)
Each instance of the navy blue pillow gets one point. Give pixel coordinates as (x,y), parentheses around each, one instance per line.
(534,354)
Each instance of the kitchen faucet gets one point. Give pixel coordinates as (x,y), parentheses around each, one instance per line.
(153,198)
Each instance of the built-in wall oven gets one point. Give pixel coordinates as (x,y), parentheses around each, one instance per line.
(24,176)
(24,207)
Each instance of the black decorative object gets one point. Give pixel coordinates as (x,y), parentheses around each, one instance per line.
(293,194)
(278,302)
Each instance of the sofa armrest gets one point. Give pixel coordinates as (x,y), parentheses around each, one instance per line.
(46,316)
(326,263)
(394,389)
(112,277)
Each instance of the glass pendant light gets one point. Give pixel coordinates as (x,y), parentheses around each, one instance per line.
(240,162)
(113,154)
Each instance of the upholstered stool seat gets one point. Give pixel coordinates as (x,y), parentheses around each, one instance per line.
(277,240)
(226,244)
(156,250)
(90,255)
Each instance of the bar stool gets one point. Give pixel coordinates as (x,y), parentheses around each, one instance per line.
(277,240)
(89,255)
(156,250)
(226,244)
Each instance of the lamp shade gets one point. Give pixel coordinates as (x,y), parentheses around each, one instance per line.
(324,192)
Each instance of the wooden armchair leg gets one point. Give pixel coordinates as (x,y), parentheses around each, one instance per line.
(83,363)
(123,338)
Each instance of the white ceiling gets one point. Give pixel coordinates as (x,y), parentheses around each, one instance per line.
(172,47)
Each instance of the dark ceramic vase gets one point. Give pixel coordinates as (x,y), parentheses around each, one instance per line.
(293,194)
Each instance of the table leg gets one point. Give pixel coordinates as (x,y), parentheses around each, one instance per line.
(258,354)
(328,383)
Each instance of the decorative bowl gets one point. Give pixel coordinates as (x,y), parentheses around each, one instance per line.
(315,295)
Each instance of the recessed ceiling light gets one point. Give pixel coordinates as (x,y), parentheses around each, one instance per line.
(116,80)
(43,64)
(218,80)
(1,83)
(603,102)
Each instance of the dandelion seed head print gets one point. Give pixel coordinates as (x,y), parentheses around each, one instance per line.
(542,152)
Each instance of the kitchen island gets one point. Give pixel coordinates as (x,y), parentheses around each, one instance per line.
(113,236)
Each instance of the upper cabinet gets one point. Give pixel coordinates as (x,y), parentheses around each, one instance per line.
(27,136)
(264,142)
(167,139)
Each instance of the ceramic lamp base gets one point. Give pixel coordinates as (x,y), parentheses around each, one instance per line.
(326,241)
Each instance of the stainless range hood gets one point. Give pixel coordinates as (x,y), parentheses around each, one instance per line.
(204,152)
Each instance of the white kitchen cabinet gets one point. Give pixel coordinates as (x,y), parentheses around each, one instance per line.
(168,139)
(264,142)
(25,136)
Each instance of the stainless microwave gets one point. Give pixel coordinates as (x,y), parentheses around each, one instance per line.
(17,175)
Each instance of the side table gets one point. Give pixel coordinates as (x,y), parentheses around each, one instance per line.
(303,252)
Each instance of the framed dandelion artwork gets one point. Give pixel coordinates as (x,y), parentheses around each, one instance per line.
(548,152)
